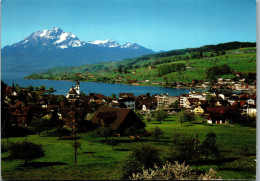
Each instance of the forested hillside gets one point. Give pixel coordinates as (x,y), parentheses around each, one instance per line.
(203,63)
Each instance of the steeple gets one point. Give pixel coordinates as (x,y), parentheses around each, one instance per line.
(77,88)
(13,86)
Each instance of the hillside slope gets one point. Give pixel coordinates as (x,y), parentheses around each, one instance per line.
(178,66)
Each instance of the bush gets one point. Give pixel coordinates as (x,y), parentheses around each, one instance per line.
(130,165)
(105,131)
(3,148)
(142,157)
(209,146)
(156,133)
(174,171)
(17,131)
(60,131)
(26,151)
(185,150)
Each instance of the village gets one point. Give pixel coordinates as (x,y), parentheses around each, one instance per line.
(214,107)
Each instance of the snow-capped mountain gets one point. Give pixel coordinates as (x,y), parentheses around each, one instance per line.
(57,38)
(113,44)
(107,43)
(51,38)
(49,48)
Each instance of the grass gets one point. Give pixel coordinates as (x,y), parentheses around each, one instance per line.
(97,160)
(241,60)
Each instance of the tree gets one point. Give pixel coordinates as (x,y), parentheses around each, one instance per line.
(182,116)
(148,118)
(144,156)
(105,131)
(160,115)
(156,133)
(42,88)
(113,95)
(120,70)
(76,144)
(209,145)
(138,114)
(174,171)
(175,105)
(51,89)
(185,150)
(50,121)
(30,88)
(38,125)
(186,117)
(26,151)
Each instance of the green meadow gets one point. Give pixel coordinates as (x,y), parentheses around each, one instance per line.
(97,160)
(239,60)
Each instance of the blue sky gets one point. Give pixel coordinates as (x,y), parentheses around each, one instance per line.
(155,24)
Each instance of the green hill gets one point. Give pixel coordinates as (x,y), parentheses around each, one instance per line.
(185,65)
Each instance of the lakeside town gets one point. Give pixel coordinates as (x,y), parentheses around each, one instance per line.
(22,105)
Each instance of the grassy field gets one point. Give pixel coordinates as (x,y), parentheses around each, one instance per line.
(97,160)
(240,60)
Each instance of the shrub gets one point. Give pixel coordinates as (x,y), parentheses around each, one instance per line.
(94,133)
(174,171)
(26,151)
(142,157)
(185,150)
(17,131)
(156,133)
(61,131)
(209,145)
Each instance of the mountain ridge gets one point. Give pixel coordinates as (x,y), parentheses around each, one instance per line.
(57,38)
(45,49)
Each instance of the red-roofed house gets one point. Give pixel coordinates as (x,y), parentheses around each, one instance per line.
(118,118)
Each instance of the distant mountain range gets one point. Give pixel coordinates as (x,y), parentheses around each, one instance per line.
(49,48)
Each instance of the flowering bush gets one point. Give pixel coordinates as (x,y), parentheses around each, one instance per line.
(174,171)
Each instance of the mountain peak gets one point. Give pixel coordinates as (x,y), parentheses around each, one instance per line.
(113,44)
(105,43)
(54,37)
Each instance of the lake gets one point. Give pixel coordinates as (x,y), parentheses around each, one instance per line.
(63,87)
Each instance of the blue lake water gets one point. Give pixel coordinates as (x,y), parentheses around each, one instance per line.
(63,87)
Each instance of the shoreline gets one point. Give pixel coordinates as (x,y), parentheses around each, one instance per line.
(201,89)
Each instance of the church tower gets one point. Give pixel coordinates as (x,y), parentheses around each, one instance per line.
(77,87)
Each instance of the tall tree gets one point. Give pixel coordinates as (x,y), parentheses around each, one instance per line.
(209,145)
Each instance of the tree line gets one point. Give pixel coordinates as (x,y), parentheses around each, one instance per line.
(216,71)
(166,68)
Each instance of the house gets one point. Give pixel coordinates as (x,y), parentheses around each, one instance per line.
(118,105)
(21,115)
(164,101)
(128,101)
(199,111)
(72,116)
(250,101)
(251,110)
(190,102)
(182,99)
(195,94)
(118,119)
(93,97)
(125,95)
(148,104)
(72,94)
(216,115)
(226,95)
